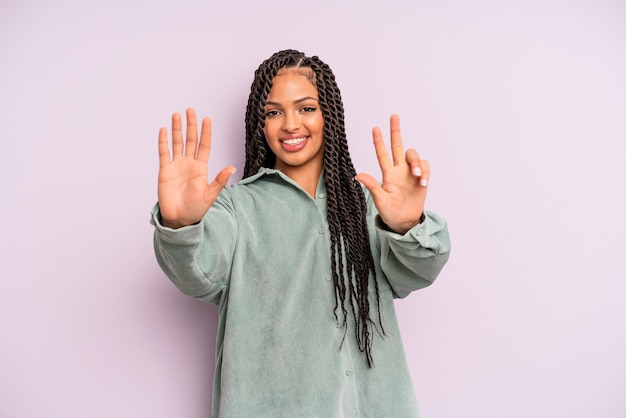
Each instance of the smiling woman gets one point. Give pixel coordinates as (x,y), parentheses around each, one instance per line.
(294,127)
(303,260)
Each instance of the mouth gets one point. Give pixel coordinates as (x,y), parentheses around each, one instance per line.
(293,144)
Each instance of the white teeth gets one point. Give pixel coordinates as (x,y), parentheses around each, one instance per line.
(294,141)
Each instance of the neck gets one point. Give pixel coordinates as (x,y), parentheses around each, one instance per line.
(306,177)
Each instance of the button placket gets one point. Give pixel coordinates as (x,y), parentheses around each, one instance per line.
(350,394)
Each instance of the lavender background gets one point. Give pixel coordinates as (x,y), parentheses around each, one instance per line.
(518,105)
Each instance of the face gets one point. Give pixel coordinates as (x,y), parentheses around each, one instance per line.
(294,125)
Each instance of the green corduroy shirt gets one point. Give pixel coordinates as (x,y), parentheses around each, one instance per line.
(262,253)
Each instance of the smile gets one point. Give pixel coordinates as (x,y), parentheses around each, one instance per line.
(294,144)
(294,141)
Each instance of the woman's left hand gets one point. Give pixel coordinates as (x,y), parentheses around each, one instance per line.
(400,199)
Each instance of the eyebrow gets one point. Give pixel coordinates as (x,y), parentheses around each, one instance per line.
(303,99)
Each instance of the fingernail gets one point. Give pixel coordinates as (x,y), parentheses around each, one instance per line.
(417,171)
(424,182)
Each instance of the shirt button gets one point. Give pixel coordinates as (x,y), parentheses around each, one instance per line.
(321,195)
(321,231)
(327,277)
(338,324)
(419,231)
(348,372)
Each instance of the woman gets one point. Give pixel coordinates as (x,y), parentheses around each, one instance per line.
(303,262)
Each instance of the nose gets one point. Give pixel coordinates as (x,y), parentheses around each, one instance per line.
(291,122)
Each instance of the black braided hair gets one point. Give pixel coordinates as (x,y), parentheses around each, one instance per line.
(346,212)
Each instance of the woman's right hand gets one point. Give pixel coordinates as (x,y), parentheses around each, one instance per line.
(185,194)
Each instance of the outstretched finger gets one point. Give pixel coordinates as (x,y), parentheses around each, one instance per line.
(397,148)
(381,151)
(164,150)
(177,136)
(204,148)
(191,143)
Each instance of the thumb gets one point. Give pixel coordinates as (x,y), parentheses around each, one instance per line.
(220,181)
(222,177)
(371,183)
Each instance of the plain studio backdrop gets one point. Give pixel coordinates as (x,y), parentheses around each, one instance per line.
(520,107)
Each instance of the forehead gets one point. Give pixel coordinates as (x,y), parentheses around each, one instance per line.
(292,83)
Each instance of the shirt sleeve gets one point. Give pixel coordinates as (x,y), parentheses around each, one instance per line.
(197,258)
(413,260)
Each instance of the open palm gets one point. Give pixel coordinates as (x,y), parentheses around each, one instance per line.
(185,195)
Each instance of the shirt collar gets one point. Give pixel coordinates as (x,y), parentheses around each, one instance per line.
(264,171)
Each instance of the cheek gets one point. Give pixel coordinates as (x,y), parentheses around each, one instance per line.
(318,124)
(269,130)
(270,139)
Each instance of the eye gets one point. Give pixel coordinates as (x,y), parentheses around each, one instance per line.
(308,109)
(271,113)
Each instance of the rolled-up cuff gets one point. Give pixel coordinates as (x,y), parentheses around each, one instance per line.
(187,235)
(420,233)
